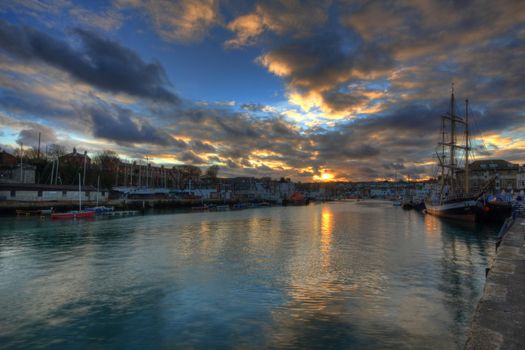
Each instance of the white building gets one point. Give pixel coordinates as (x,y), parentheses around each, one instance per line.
(49,193)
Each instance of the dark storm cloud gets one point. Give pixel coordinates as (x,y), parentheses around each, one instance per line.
(118,125)
(100,62)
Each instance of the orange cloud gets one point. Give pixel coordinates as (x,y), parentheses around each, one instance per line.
(183,20)
(247,28)
(279,16)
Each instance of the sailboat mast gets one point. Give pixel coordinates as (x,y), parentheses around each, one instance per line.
(79,194)
(452,135)
(467,185)
(52,172)
(442,162)
(98,187)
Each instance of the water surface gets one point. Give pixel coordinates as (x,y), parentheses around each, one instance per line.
(363,275)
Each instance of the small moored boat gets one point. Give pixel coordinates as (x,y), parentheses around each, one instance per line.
(101,209)
(74,215)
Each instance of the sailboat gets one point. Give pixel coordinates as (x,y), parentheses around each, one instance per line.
(100,209)
(452,198)
(76,214)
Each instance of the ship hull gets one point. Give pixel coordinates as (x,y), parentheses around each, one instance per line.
(496,211)
(467,210)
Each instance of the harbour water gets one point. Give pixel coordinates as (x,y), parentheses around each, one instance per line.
(360,275)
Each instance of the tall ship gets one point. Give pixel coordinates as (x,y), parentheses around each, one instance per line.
(452,197)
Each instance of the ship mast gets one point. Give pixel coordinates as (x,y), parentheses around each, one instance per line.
(442,161)
(466,149)
(452,135)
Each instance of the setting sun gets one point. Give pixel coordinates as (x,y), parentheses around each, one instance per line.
(324,177)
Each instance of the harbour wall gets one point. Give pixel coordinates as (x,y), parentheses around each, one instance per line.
(499,319)
(10,207)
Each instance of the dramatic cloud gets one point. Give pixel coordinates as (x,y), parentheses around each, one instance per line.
(96,61)
(183,20)
(351,89)
(118,125)
(293,17)
(420,28)
(317,68)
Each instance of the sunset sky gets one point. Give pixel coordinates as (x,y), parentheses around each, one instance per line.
(312,90)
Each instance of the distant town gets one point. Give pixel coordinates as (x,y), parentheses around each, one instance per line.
(33,178)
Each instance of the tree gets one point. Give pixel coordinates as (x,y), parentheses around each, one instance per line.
(212,172)
(105,165)
(185,173)
(54,150)
(106,160)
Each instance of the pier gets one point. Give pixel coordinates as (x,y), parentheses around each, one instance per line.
(499,320)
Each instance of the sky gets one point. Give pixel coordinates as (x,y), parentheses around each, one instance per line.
(312,90)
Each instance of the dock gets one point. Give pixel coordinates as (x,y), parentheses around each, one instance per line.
(499,319)
(119,213)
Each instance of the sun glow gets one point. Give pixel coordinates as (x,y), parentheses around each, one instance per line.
(324,177)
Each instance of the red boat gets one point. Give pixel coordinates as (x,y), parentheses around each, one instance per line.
(74,215)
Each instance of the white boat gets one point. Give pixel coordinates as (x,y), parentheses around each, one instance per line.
(100,209)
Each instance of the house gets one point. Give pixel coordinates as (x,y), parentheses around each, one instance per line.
(520,181)
(7,159)
(14,171)
(504,173)
(76,159)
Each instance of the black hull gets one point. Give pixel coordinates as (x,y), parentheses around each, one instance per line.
(459,210)
(495,211)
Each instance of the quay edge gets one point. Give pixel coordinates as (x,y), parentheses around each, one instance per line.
(499,319)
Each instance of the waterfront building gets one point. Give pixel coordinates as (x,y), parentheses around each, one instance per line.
(49,193)
(20,173)
(504,174)
(520,180)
